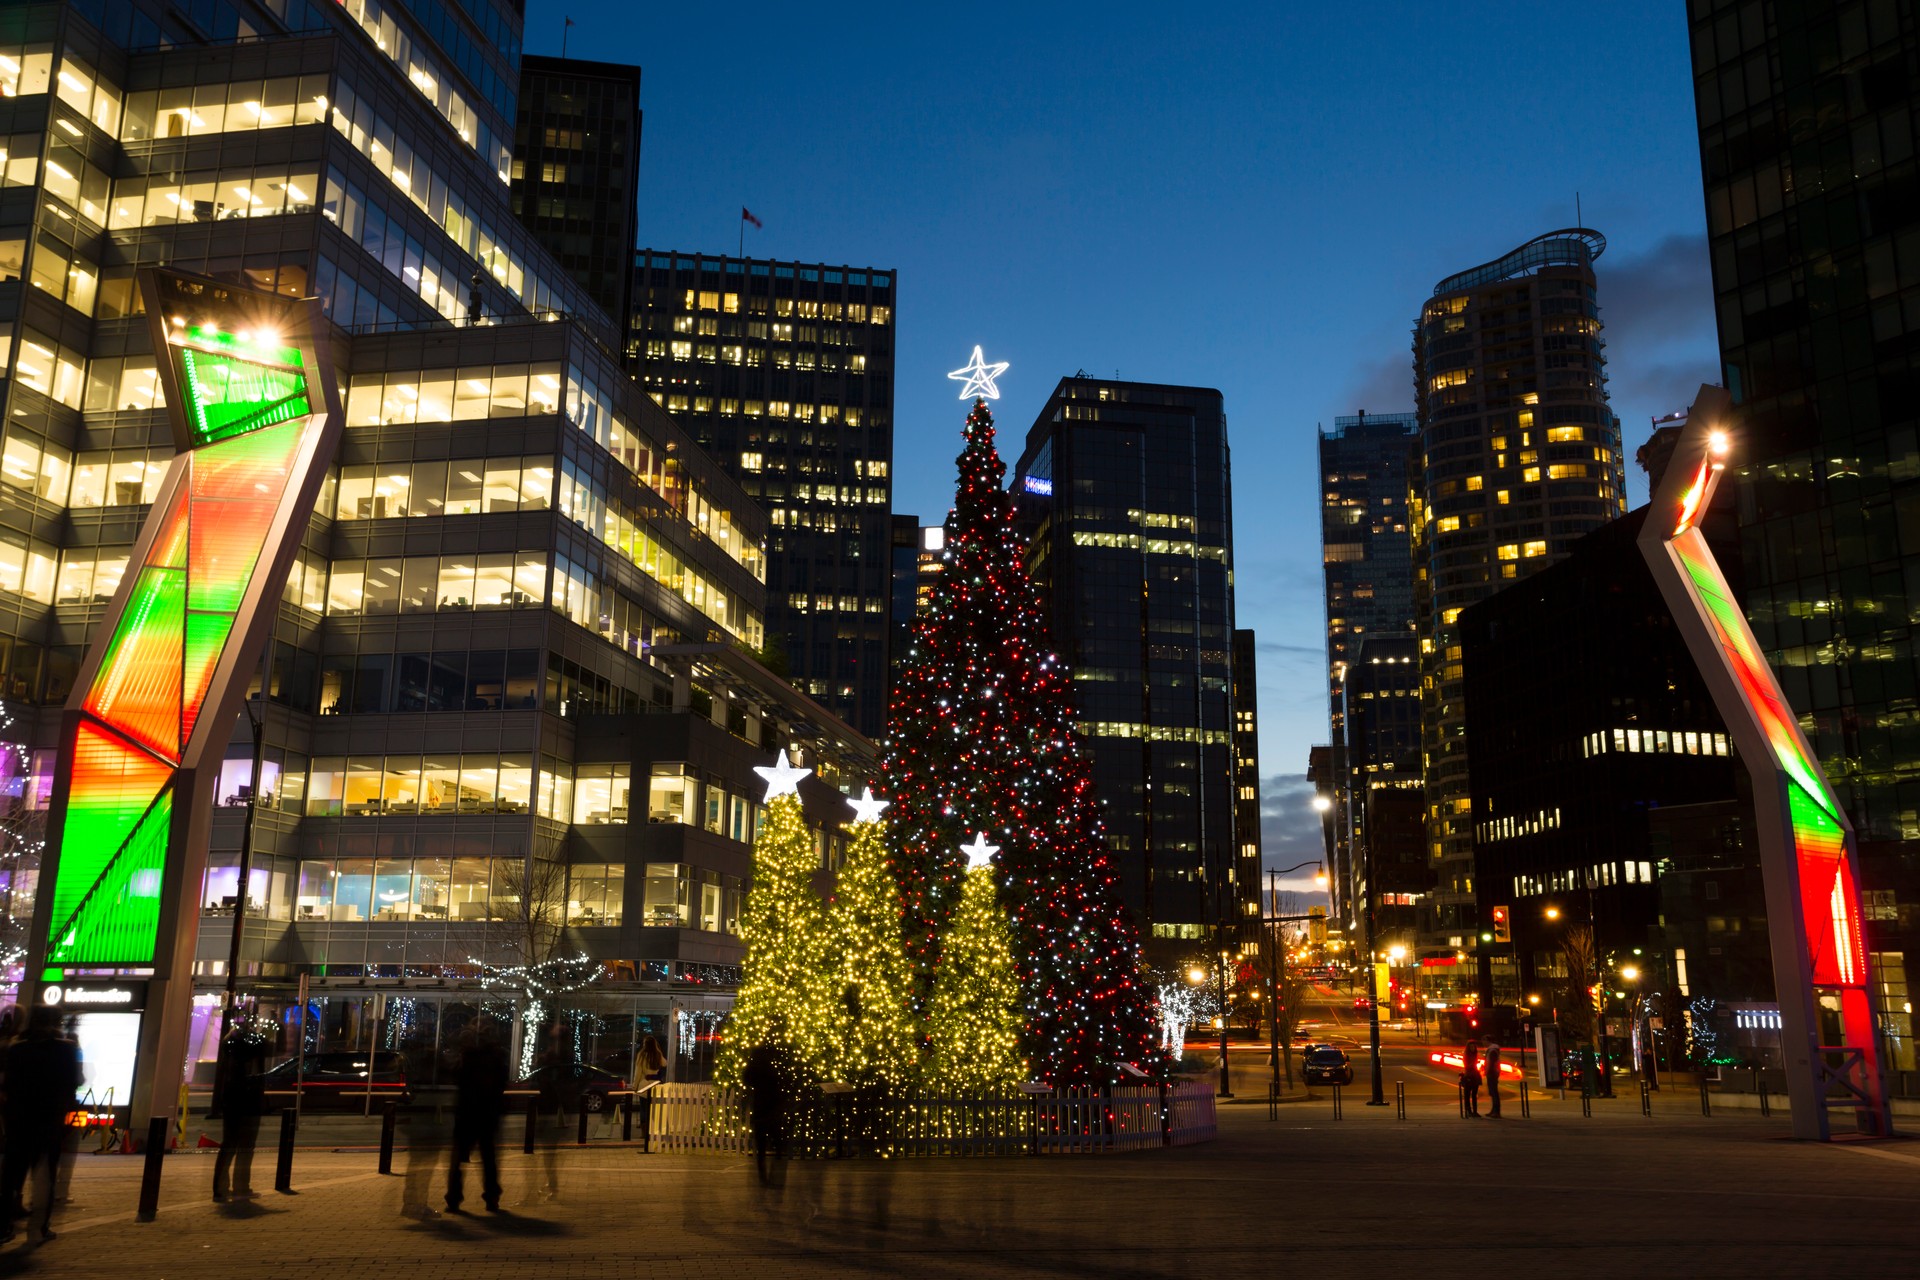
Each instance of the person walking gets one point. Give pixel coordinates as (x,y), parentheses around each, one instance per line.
(43,1077)
(1470,1075)
(426,1126)
(765,1079)
(243,1098)
(649,1068)
(480,1098)
(1493,1080)
(558,1069)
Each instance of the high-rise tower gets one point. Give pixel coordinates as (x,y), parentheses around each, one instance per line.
(1520,457)
(1806,146)
(784,372)
(1126,491)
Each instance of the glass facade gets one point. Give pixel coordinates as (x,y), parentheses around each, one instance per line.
(1125,492)
(784,372)
(1520,456)
(1806,118)
(524,589)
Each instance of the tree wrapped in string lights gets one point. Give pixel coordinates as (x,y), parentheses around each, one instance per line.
(782,1000)
(869,984)
(974,1015)
(980,739)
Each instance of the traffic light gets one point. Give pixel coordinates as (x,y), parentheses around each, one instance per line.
(1502,925)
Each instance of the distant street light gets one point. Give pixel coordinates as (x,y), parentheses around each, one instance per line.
(1322,804)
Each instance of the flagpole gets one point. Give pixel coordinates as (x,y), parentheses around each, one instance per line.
(743,234)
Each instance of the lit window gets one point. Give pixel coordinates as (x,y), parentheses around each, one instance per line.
(1475,483)
(1562,435)
(1449,524)
(1510,551)
(1531,475)
(1534,549)
(1501,496)
(750,462)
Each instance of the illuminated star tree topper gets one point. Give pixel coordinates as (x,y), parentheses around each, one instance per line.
(979,853)
(783,779)
(978,376)
(866,808)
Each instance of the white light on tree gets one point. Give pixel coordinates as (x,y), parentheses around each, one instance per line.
(978,376)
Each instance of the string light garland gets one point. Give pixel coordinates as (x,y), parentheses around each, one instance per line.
(870,984)
(980,738)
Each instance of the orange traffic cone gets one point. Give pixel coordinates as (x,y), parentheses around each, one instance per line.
(205,1141)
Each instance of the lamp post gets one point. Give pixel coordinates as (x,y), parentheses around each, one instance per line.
(1276,959)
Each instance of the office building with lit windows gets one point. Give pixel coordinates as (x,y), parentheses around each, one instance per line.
(1246,766)
(1368,466)
(783,371)
(1124,490)
(1600,768)
(1815,273)
(576,169)
(1520,457)
(1379,781)
(508,692)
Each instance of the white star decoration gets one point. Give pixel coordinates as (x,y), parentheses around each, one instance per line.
(783,779)
(866,808)
(979,853)
(979,376)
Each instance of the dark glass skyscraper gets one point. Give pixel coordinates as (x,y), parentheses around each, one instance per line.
(1521,456)
(1368,469)
(576,169)
(784,372)
(1806,114)
(1126,491)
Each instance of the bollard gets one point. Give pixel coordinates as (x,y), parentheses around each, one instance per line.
(580,1138)
(1706,1102)
(1646,1099)
(1526,1103)
(626,1121)
(1336,1103)
(1586,1104)
(389,1117)
(533,1121)
(1400,1099)
(283,1168)
(1273,1101)
(150,1172)
(1462,1091)
(1765,1110)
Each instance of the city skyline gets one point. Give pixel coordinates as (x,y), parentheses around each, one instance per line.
(1004,212)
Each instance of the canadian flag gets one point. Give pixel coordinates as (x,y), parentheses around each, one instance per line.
(746,215)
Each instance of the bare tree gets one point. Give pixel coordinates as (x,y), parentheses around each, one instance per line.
(529,936)
(1577,1007)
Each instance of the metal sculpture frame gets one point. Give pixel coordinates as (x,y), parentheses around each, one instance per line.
(254,403)
(1809,859)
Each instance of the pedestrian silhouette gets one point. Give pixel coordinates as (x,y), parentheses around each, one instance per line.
(765,1079)
(243,1097)
(42,1077)
(426,1128)
(1493,1080)
(558,1072)
(1470,1075)
(649,1068)
(481,1095)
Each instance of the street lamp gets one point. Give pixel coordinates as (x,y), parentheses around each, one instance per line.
(1276,949)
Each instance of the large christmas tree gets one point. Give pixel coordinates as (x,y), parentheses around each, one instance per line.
(980,739)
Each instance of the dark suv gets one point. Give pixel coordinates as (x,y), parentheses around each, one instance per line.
(1324,1064)
(338,1082)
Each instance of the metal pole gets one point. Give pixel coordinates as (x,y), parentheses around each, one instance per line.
(1373,990)
(1273,981)
(246,858)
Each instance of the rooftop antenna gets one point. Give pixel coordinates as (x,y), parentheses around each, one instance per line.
(1576,210)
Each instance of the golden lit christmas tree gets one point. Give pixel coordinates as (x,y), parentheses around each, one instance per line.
(781,998)
(974,1017)
(869,984)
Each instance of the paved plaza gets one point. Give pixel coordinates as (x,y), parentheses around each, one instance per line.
(1303,1195)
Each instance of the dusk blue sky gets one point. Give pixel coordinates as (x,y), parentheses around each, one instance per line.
(1253,198)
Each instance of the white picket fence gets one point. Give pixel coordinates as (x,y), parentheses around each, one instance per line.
(699,1117)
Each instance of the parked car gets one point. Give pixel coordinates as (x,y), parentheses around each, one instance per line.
(335,1081)
(591,1082)
(1363,1002)
(1326,1064)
